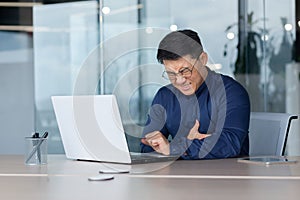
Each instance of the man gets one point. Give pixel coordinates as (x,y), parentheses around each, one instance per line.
(203,114)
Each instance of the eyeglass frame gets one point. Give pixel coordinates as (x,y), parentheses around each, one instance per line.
(180,72)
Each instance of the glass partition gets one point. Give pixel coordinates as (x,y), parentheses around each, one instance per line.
(16,93)
(64,35)
(268,28)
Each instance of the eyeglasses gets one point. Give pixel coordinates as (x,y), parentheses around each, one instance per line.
(185,73)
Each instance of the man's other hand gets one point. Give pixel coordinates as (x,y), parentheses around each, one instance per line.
(158,142)
(194,133)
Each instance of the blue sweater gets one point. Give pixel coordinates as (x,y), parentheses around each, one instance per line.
(222,107)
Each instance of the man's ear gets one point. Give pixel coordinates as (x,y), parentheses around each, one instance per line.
(203,58)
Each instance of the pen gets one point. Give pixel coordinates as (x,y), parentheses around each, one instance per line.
(37,147)
(36,135)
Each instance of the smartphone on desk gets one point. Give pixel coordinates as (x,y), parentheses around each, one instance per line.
(267,160)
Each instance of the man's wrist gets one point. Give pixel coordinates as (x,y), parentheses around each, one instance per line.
(178,146)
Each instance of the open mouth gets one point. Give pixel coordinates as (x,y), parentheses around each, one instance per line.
(186,87)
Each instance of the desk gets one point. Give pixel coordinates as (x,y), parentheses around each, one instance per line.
(203,179)
(228,168)
(128,188)
(59,165)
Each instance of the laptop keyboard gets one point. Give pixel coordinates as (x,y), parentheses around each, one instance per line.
(151,157)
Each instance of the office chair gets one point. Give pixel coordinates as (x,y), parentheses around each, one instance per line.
(268,133)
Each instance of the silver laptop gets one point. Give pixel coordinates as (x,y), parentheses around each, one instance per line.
(91,129)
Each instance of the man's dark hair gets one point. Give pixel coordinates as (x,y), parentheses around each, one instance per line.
(178,44)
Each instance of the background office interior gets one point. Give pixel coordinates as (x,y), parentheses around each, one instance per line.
(102,47)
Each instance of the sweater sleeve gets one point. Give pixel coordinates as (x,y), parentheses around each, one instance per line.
(156,121)
(229,127)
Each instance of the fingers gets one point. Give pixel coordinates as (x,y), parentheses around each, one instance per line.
(157,141)
(194,133)
(144,141)
(198,136)
(152,134)
(152,143)
(152,139)
(201,136)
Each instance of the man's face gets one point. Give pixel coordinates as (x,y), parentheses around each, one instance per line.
(190,83)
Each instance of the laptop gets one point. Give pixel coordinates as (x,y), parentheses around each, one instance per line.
(91,129)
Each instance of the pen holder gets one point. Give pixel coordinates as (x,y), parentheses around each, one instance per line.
(35,151)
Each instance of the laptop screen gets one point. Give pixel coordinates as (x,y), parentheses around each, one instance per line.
(94,123)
